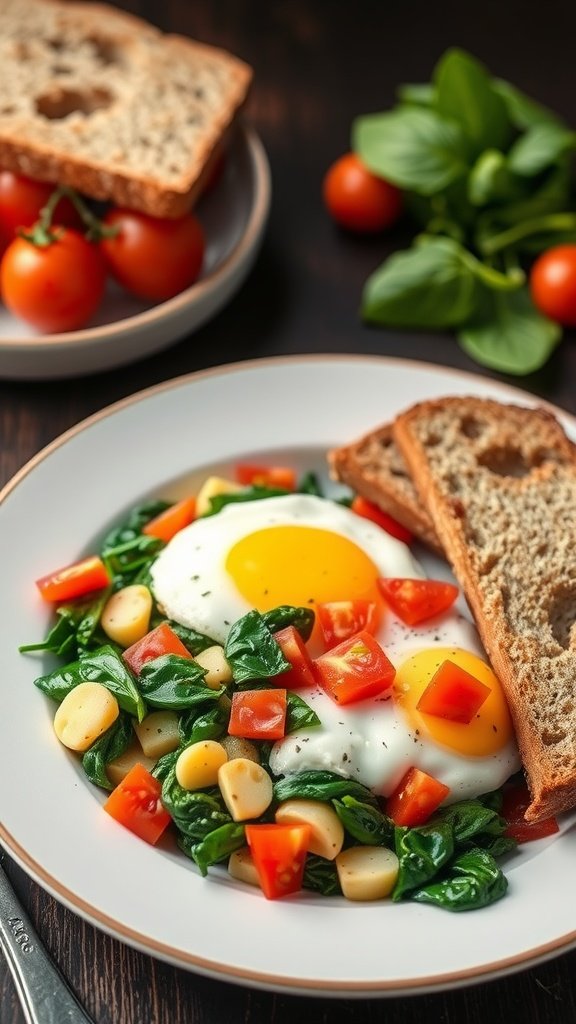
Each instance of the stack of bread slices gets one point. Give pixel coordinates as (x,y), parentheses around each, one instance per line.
(493,487)
(103,102)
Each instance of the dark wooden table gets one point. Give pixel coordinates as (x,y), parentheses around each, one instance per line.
(317,65)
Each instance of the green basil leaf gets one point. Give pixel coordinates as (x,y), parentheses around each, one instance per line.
(420,94)
(321,785)
(215,847)
(412,147)
(364,822)
(320,875)
(539,148)
(428,286)
(491,180)
(299,714)
(551,196)
(474,880)
(106,666)
(251,650)
(509,335)
(421,853)
(289,615)
(109,746)
(465,94)
(523,111)
(172,681)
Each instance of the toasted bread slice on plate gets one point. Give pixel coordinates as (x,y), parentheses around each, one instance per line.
(499,482)
(374,467)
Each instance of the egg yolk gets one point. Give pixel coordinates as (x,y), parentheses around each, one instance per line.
(490,729)
(300,565)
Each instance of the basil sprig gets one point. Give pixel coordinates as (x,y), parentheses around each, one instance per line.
(486,173)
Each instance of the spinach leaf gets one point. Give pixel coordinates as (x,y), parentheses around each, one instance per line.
(165,764)
(218,502)
(299,714)
(364,822)
(473,880)
(321,876)
(251,650)
(126,550)
(215,847)
(197,724)
(509,334)
(131,527)
(430,285)
(101,666)
(464,93)
(172,681)
(61,637)
(471,819)
(75,629)
(310,484)
(111,745)
(288,615)
(421,853)
(321,785)
(195,812)
(413,147)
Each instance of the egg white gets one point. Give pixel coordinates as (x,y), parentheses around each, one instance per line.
(370,741)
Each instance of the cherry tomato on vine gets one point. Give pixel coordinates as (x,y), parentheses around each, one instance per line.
(553,284)
(21,200)
(57,286)
(152,257)
(357,199)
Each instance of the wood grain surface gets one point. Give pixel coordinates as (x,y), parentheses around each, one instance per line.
(318,63)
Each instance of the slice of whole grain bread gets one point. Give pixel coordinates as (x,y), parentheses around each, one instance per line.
(499,482)
(99,100)
(373,467)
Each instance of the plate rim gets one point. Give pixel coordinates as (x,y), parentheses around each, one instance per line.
(184,958)
(201,290)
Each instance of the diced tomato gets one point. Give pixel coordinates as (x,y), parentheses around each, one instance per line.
(368,510)
(74,580)
(453,693)
(515,800)
(416,798)
(258,714)
(168,523)
(279,854)
(136,804)
(355,669)
(415,601)
(340,620)
(294,650)
(282,477)
(159,641)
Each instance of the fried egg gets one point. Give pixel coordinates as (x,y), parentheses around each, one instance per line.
(305,550)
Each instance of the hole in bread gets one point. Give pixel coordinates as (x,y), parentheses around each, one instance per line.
(505,461)
(471,427)
(60,69)
(106,50)
(6,111)
(562,616)
(60,102)
(551,736)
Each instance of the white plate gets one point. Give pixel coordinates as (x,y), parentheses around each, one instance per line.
(52,823)
(234,216)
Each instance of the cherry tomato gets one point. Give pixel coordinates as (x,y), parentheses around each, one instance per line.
(249,475)
(354,670)
(357,199)
(415,601)
(294,650)
(55,287)
(136,804)
(515,801)
(168,523)
(279,855)
(21,200)
(415,798)
(553,284)
(154,258)
(368,510)
(454,694)
(258,714)
(339,620)
(159,641)
(74,580)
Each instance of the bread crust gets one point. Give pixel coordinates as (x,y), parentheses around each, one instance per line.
(373,467)
(121,53)
(499,482)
